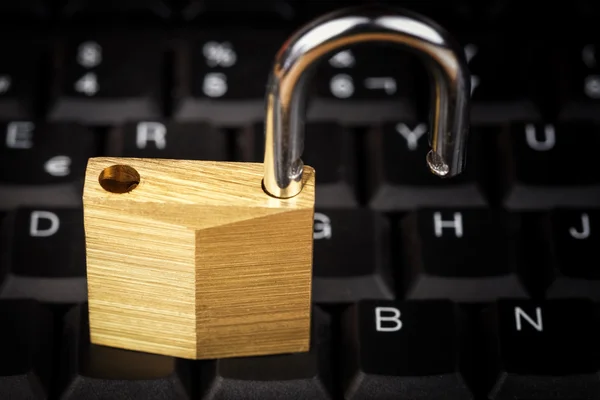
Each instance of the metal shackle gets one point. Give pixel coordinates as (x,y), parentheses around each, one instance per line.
(295,63)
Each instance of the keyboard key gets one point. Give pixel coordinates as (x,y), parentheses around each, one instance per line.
(363,84)
(505,83)
(468,255)
(404,349)
(221,76)
(573,244)
(151,10)
(155,139)
(541,350)
(106,80)
(19,78)
(47,256)
(24,10)
(26,348)
(549,165)
(90,371)
(578,90)
(294,376)
(236,13)
(43,164)
(398,175)
(351,258)
(330,149)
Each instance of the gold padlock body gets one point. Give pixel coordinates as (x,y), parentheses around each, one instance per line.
(197,261)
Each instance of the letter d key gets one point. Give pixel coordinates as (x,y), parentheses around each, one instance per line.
(201,259)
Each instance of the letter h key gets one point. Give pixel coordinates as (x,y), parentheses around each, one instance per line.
(201,259)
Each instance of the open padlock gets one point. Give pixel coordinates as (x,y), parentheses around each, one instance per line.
(200,259)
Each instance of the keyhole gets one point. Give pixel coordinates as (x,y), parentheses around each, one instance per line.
(119,179)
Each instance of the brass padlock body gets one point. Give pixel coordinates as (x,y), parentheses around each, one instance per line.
(194,260)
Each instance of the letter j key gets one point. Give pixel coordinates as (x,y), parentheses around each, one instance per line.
(572,248)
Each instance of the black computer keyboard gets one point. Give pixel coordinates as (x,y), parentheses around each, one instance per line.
(480,287)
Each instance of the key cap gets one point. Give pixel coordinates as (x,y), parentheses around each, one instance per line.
(235,13)
(156,139)
(47,255)
(90,371)
(540,350)
(43,163)
(221,75)
(572,245)
(329,148)
(351,259)
(291,376)
(407,349)
(26,348)
(398,175)
(467,255)
(19,81)
(364,84)
(149,10)
(578,90)
(31,10)
(505,81)
(549,165)
(106,79)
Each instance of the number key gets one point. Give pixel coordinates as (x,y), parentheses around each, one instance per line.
(221,75)
(108,79)
(362,84)
(579,85)
(18,78)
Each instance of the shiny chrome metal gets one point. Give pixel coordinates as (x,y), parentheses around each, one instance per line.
(296,61)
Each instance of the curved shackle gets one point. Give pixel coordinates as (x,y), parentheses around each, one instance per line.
(300,54)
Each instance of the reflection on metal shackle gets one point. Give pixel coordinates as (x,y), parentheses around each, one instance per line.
(296,61)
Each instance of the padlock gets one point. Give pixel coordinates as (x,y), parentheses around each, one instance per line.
(201,259)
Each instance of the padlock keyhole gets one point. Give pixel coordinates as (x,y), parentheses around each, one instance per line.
(119,179)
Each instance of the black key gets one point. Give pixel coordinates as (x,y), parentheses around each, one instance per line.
(504,78)
(330,149)
(26,348)
(21,10)
(155,139)
(151,10)
(19,78)
(221,75)
(399,177)
(351,258)
(363,84)
(108,79)
(541,350)
(578,89)
(235,13)
(46,255)
(43,163)
(572,246)
(404,349)
(90,371)
(550,165)
(292,376)
(464,255)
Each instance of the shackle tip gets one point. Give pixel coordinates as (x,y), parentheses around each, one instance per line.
(436,164)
